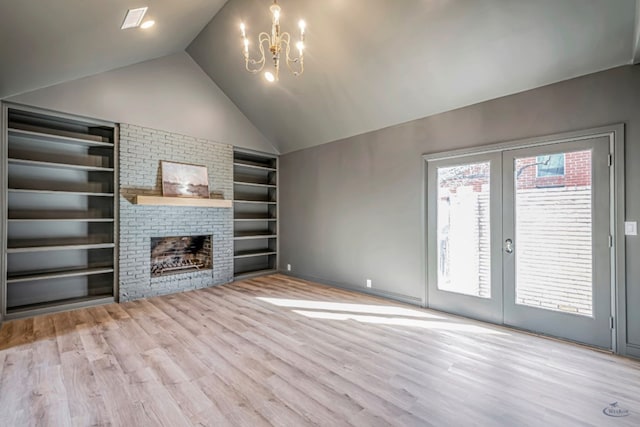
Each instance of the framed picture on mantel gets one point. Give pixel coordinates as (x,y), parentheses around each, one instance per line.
(184,180)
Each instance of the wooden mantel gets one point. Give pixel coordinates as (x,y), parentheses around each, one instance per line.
(181,201)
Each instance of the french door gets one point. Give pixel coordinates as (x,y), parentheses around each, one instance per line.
(464,271)
(521,237)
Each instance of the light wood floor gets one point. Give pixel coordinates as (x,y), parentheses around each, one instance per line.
(273,351)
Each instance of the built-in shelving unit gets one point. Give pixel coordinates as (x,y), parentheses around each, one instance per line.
(59,211)
(255,190)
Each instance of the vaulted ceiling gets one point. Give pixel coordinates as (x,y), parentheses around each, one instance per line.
(369,63)
(47,42)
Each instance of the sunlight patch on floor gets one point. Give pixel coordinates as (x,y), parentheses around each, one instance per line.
(437,325)
(388,310)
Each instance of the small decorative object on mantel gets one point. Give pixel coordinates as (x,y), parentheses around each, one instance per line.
(184,180)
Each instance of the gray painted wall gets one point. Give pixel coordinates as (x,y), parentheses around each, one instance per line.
(171,94)
(351,210)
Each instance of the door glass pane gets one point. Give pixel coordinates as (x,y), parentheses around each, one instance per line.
(553,219)
(464,264)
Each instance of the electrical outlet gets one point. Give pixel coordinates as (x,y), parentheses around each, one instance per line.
(368,283)
(631,228)
(288,267)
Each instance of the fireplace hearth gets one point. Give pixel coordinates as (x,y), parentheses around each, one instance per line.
(180,254)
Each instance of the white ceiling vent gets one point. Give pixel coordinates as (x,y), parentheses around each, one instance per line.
(134,18)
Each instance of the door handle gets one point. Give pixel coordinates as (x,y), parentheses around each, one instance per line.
(508,246)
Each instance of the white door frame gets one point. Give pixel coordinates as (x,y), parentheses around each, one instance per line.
(615,134)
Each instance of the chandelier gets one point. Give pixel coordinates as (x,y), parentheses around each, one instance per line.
(278,43)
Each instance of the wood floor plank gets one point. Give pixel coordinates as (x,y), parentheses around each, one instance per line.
(65,327)
(232,405)
(15,386)
(281,351)
(122,407)
(94,344)
(45,345)
(83,393)
(19,332)
(48,399)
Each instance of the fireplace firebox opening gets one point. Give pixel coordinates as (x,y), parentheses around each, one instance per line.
(180,254)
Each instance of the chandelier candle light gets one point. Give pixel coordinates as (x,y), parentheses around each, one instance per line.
(277,43)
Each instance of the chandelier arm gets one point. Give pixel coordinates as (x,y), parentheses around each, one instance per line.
(262,37)
(286,40)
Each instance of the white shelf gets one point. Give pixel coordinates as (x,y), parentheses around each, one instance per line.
(254,253)
(60,220)
(42,164)
(181,201)
(60,192)
(255,219)
(253,166)
(261,202)
(254,273)
(32,276)
(254,235)
(90,215)
(254,184)
(54,306)
(58,247)
(58,139)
